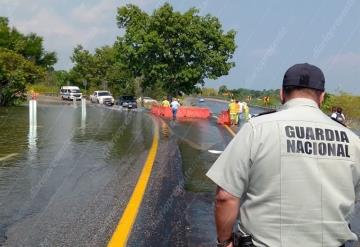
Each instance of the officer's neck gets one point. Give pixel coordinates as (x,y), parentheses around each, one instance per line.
(300,95)
(286,100)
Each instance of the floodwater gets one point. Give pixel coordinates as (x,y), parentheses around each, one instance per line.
(62,182)
(197,137)
(65,182)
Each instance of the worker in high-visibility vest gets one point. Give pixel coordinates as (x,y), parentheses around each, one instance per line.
(246,111)
(240,108)
(165,102)
(233,111)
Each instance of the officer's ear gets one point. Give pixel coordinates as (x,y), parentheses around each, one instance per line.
(322,97)
(282,95)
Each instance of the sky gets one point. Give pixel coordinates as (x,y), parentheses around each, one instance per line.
(271,35)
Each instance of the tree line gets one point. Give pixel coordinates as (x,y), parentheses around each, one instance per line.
(166,52)
(255,97)
(163,53)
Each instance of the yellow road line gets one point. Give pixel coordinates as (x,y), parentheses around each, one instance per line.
(123,230)
(230,130)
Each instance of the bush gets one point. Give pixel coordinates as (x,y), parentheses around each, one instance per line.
(15,74)
(43,89)
(350,105)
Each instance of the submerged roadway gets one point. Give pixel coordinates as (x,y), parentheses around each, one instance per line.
(110,178)
(68,183)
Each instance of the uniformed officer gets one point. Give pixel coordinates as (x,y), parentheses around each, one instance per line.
(294,174)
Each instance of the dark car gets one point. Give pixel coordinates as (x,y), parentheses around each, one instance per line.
(127,101)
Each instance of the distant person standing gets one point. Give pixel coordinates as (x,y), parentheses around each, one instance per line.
(338,115)
(175,105)
(165,102)
(246,111)
(333,112)
(233,111)
(241,108)
(237,108)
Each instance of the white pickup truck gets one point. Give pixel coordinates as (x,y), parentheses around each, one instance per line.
(102,97)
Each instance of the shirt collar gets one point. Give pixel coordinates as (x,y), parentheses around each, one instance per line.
(299,102)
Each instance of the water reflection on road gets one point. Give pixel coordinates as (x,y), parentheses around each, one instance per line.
(197,137)
(70,177)
(66,181)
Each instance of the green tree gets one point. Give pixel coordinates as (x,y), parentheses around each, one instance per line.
(173,50)
(62,77)
(208,92)
(223,89)
(347,102)
(29,46)
(23,61)
(15,73)
(83,68)
(101,70)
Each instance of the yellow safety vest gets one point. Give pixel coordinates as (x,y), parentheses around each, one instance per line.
(165,103)
(233,107)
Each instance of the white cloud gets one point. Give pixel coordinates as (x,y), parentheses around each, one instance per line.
(342,72)
(56,30)
(8,7)
(350,59)
(101,10)
(89,23)
(142,3)
(95,13)
(261,52)
(62,34)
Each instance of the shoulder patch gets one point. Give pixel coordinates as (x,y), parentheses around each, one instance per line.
(264,113)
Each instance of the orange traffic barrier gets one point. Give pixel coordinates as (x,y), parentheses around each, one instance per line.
(183,112)
(224,118)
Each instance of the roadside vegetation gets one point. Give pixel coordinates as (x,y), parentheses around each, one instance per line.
(348,102)
(350,105)
(253,97)
(163,53)
(23,61)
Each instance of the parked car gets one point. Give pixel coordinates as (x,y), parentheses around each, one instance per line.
(127,101)
(148,100)
(70,93)
(102,97)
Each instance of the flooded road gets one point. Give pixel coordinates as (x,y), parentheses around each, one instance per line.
(195,138)
(66,182)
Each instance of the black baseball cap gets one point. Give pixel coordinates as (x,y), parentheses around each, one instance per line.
(304,75)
